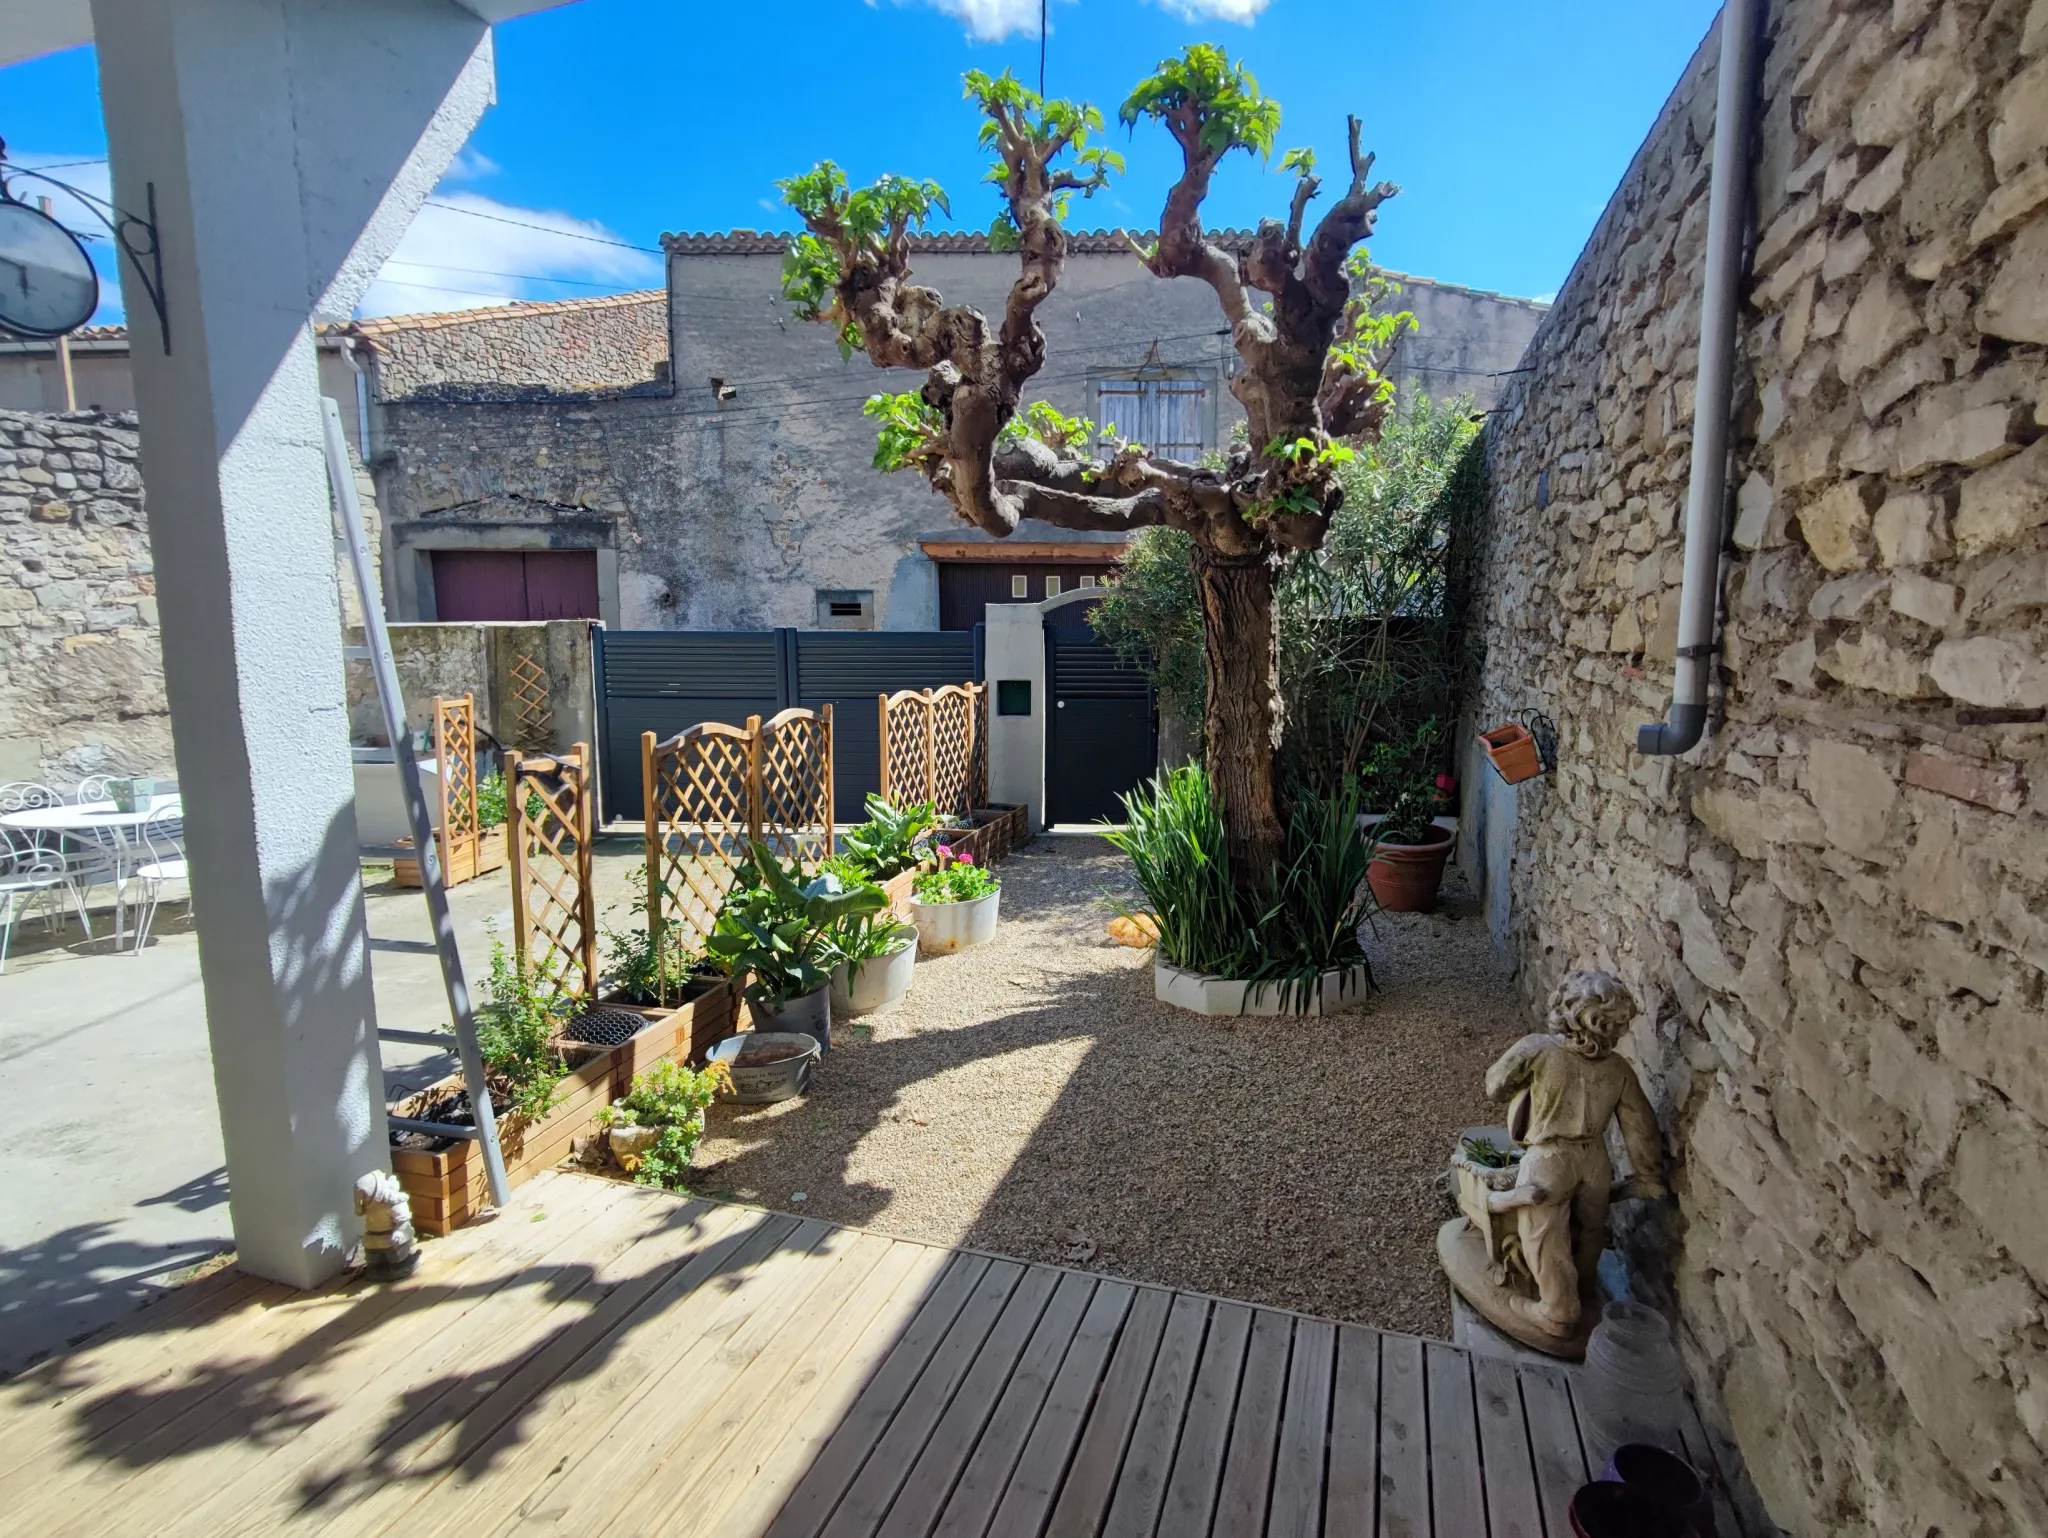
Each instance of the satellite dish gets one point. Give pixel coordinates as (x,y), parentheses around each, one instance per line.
(47,283)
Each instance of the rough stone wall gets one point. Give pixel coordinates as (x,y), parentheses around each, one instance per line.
(81,669)
(478,660)
(529,351)
(1835,910)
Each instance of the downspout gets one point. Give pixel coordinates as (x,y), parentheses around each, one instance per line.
(1706,493)
(348,356)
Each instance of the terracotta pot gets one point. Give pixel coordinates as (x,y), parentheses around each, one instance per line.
(1404,877)
(1512,752)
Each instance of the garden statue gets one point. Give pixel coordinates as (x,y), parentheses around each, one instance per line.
(1524,1253)
(389,1248)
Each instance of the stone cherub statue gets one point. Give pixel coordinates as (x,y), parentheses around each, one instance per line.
(390,1249)
(1525,1252)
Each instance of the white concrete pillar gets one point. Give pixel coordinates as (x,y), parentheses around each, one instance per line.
(1013,652)
(288,142)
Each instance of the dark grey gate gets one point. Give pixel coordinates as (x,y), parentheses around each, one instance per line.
(661,681)
(1102,730)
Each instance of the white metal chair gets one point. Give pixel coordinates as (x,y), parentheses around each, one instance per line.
(92,788)
(27,869)
(162,837)
(27,796)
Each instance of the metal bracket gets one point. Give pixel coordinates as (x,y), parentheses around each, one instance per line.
(135,234)
(1706,650)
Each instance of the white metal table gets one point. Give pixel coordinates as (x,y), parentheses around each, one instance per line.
(106,826)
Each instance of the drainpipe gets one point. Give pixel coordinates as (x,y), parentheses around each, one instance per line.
(1706,494)
(348,356)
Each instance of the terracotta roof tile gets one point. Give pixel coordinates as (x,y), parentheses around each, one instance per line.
(383,325)
(946,242)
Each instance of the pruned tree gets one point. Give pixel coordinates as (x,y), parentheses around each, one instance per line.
(1310,375)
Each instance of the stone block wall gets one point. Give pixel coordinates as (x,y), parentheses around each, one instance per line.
(81,667)
(480,659)
(1835,910)
(523,352)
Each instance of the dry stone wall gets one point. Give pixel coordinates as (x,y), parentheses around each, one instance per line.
(1836,908)
(616,344)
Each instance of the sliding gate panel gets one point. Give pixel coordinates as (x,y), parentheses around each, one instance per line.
(848,669)
(662,681)
(1102,733)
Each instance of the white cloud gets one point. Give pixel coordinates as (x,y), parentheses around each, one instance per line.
(1243,12)
(466,251)
(990,21)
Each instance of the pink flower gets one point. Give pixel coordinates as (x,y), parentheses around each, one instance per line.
(964,857)
(945,853)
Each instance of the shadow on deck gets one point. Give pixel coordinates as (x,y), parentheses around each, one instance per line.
(604,1359)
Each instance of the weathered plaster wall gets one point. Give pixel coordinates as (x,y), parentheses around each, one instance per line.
(81,672)
(1466,340)
(1835,910)
(480,660)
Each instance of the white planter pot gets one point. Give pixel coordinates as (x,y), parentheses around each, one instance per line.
(874,986)
(1205,995)
(943,928)
(810,1015)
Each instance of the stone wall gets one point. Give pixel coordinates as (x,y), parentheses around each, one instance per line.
(1835,910)
(81,671)
(523,351)
(482,660)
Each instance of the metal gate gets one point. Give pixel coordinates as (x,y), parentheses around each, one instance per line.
(662,681)
(1102,732)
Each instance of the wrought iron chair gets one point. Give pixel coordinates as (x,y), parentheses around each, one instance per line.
(162,837)
(92,788)
(27,869)
(28,796)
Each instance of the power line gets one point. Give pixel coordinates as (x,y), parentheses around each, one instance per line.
(545,229)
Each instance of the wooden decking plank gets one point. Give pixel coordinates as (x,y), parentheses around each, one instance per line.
(1404,1441)
(224,1414)
(412,1456)
(1554,1441)
(939,1466)
(1255,1430)
(738,1495)
(1351,1492)
(1297,1506)
(874,1489)
(492,1476)
(1198,1462)
(1141,1487)
(1457,1487)
(468,1356)
(1035,1482)
(1701,1452)
(816,1497)
(753,1387)
(1512,1509)
(596,1468)
(1099,1458)
(980,1487)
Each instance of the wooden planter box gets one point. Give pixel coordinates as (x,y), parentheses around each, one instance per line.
(466,861)
(996,831)
(447,1186)
(898,889)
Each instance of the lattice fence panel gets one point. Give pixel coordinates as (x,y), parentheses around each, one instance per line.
(533,704)
(455,766)
(699,814)
(550,800)
(795,780)
(935,747)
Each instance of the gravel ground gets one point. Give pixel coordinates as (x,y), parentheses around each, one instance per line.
(1030,1097)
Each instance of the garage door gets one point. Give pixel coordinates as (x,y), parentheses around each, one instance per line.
(515,584)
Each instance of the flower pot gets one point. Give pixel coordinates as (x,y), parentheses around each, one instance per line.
(1667,1479)
(787,1073)
(1512,752)
(1206,995)
(133,795)
(943,928)
(1603,1510)
(810,1015)
(877,985)
(1405,877)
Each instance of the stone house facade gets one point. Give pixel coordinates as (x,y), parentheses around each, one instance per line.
(1835,909)
(721,479)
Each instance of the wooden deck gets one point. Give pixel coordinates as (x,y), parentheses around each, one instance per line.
(607,1360)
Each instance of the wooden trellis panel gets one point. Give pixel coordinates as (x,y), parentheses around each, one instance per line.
(710,789)
(533,707)
(455,763)
(935,747)
(554,898)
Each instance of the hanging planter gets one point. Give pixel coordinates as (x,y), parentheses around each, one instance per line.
(1521,750)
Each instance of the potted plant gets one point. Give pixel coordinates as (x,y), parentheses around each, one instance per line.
(954,907)
(493,810)
(888,848)
(1410,851)
(653,1129)
(776,926)
(877,953)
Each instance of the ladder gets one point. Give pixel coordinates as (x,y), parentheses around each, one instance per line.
(349,514)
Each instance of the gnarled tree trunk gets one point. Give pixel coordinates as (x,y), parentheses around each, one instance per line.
(1241,658)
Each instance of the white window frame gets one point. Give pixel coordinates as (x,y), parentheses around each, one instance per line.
(1170,413)
(1052,586)
(1020,585)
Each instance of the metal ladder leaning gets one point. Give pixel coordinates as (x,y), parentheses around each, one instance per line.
(349,514)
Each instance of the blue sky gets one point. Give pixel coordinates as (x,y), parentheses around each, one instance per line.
(1506,123)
